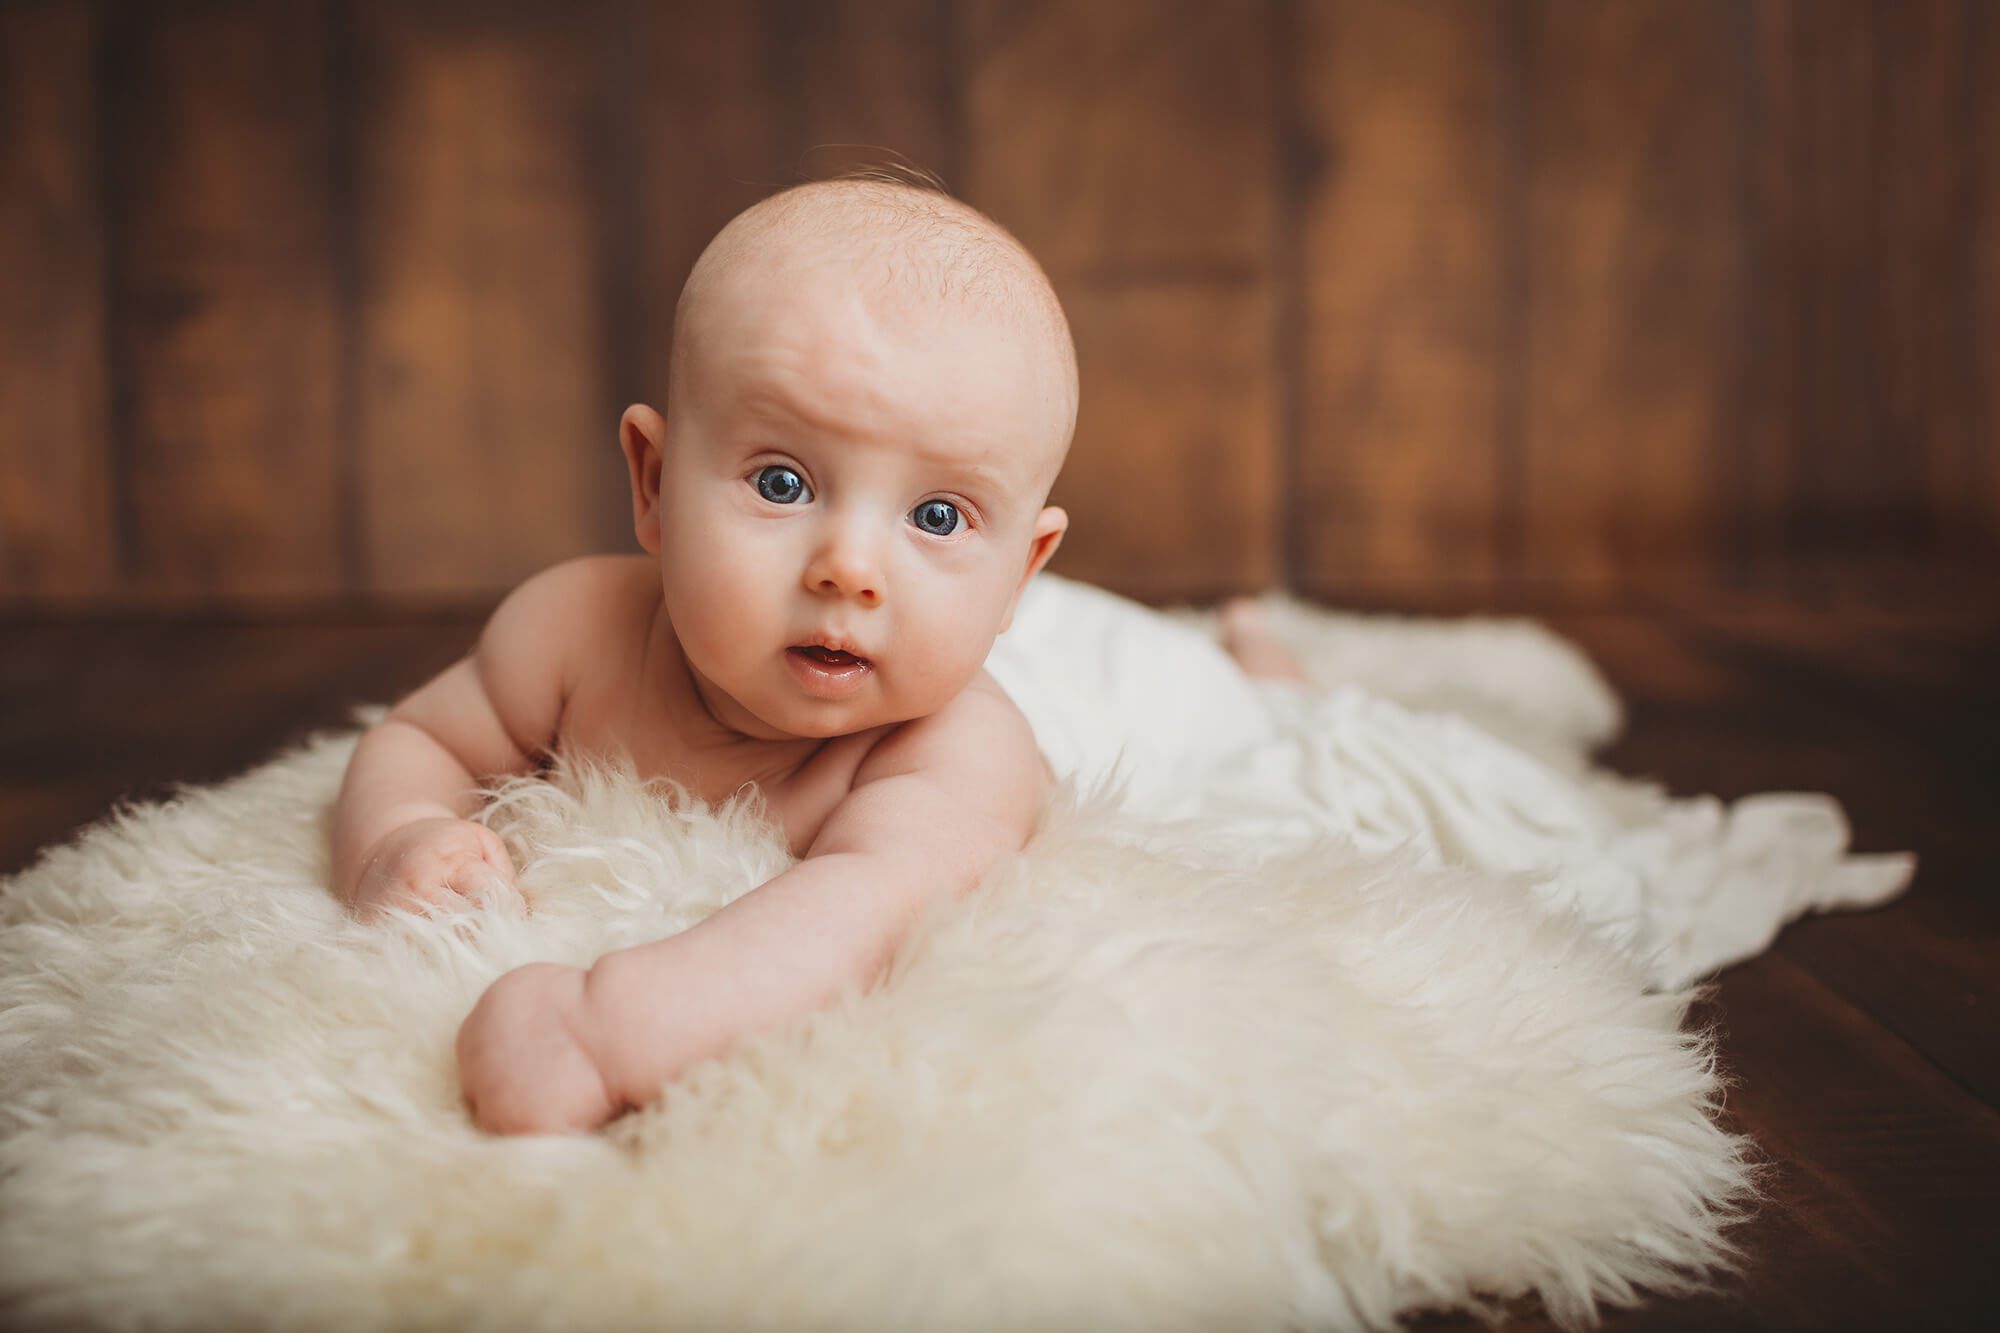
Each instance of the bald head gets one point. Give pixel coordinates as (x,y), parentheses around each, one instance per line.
(905,248)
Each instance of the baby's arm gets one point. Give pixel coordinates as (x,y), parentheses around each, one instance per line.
(935,805)
(401,835)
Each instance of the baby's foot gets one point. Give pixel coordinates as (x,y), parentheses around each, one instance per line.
(1247,634)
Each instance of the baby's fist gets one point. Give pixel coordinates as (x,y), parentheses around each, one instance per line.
(436,864)
(523,1057)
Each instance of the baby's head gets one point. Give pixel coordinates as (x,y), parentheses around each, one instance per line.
(872,389)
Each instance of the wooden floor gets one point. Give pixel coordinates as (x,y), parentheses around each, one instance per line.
(1863,1048)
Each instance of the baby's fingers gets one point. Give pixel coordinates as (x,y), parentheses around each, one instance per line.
(485,889)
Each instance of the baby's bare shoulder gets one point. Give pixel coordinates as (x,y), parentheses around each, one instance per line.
(958,787)
(553,627)
(595,583)
(500,706)
(579,603)
(978,746)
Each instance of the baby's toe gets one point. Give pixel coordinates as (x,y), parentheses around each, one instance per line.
(1244,617)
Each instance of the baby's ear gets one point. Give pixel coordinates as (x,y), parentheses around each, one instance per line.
(643,436)
(1050,525)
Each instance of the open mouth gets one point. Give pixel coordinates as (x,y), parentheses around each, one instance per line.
(829,673)
(833,657)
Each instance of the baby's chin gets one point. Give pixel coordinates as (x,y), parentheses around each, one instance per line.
(828,723)
(788,724)
(805,718)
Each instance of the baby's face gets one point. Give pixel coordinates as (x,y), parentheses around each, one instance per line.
(850,504)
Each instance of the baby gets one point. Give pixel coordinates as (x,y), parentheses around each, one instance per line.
(871,389)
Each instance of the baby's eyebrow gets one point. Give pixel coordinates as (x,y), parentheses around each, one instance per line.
(773,403)
(978,476)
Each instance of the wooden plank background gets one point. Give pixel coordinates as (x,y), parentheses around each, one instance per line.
(1511,301)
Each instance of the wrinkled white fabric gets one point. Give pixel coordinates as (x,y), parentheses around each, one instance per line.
(1122,696)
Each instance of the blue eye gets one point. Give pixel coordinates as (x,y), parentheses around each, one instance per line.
(937,517)
(781,486)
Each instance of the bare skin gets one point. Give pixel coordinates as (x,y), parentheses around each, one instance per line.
(839,513)
(1256,646)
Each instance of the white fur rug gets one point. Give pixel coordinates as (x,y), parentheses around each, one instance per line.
(1130,1084)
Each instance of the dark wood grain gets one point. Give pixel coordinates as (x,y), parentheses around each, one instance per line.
(1895,709)
(58,533)
(1981,338)
(1861,447)
(1915,709)
(1634,288)
(1148,197)
(707,144)
(1170,487)
(864,82)
(1591,303)
(1398,474)
(1921,188)
(487,423)
(1880,1157)
(1125,138)
(222,283)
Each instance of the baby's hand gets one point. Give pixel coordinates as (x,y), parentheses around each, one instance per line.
(523,1057)
(433,864)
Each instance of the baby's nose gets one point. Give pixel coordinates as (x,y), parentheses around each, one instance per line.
(842,569)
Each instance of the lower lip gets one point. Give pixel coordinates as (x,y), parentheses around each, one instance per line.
(828,680)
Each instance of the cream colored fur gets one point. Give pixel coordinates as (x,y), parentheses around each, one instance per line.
(1127,1085)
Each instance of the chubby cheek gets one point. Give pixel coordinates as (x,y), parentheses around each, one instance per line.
(923,687)
(721,595)
(943,633)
